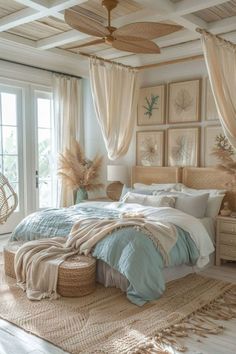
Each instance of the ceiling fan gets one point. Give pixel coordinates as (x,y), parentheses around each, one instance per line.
(134,37)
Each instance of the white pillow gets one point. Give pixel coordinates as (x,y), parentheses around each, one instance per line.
(155,186)
(214,202)
(212,192)
(213,205)
(149,200)
(194,205)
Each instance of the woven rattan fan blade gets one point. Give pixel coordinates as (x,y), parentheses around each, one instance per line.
(88,44)
(137,45)
(85,24)
(147,30)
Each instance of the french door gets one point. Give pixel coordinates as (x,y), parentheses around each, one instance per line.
(27,148)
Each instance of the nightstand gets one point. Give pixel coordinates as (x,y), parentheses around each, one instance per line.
(225,239)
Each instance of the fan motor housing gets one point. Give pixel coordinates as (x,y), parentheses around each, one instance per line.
(110,4)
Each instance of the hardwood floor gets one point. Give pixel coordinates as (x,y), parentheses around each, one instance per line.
(14,340)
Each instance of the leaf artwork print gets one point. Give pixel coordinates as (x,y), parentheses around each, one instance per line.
(183,101)
(181,151)
(149,151)
(151,104)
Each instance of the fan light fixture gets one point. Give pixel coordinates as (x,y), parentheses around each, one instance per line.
(134,37)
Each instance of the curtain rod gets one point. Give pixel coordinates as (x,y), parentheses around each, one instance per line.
(105,60)
(37,67)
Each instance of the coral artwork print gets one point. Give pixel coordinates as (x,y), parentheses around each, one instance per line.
(183,101)
(181,150)
(151,104)
(150,148)
(183,146)
(222,144)
(216,145)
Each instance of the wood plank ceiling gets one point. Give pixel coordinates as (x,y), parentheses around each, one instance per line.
(41,23)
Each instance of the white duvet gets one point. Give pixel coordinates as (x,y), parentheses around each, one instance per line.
(187,222)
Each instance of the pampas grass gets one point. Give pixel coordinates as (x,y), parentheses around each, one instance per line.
(78,172)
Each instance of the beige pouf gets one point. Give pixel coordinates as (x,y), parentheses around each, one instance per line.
(76,275)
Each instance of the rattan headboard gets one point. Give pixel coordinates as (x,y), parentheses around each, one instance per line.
(206,178)
(152,174)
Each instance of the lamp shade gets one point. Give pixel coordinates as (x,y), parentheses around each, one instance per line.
(118,173)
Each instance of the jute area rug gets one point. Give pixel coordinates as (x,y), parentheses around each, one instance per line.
(106,322)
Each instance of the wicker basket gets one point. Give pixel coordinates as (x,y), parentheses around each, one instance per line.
(76,275)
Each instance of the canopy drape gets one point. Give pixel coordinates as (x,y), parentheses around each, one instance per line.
(67,95)
(115,95)
(220,58)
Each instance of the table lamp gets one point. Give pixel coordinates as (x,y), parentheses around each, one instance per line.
(118,174)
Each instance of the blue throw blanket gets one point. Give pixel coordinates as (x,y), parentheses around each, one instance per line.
(128,250)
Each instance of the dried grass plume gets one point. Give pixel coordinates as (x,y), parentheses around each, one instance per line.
(78,172)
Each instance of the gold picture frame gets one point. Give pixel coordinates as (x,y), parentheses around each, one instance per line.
(150,148)
(184,101)
(183,146)
(151,105)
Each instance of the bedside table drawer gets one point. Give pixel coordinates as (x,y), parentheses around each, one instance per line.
(228,227)
(227,239)
(227,252)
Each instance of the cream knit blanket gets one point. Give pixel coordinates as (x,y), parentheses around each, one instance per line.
(37,262)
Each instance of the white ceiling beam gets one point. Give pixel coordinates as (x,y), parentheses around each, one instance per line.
(34,4)
(223,26)
(190,22)
(61,39)
(185,7)
(60,5)
(29,14)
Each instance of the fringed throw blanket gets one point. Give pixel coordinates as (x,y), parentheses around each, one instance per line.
(37,262)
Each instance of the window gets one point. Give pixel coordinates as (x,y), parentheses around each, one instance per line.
(27,154)
(45,174)
(11,163)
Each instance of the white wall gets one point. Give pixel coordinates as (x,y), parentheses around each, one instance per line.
(164,74)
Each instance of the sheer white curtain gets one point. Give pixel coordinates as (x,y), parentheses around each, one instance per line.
(220,58)
(67,94)
(115,95)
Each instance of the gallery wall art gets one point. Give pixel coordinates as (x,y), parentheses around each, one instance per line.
(184,101)
(215,139)
(151,105)
(183,146)
(150,148)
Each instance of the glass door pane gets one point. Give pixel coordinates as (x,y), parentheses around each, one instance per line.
(45,153)
(10,148)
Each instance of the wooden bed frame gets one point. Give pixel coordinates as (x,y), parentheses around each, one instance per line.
(192,177)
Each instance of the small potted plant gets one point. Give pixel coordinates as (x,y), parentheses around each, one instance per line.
(79,173)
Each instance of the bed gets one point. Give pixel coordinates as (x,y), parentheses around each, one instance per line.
(127,278)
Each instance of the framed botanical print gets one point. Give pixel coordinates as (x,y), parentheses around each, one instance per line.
(211,110)
(215,140)
(183,146)
(151,105)
(150,148)
(184,101)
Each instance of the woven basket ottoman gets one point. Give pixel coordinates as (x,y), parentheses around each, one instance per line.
(76,275)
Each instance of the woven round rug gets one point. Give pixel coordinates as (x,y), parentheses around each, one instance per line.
(106,322)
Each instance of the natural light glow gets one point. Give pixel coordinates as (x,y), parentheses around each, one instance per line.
(45,156)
